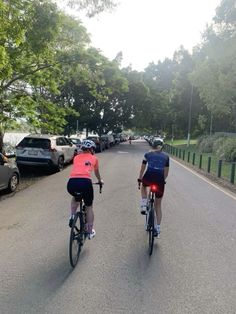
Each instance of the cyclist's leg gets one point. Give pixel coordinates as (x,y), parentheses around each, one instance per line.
(158,210)
(144,193)
(158,207)
(74,206)
(90,217)
(72,187)
(143,202)
(88,196)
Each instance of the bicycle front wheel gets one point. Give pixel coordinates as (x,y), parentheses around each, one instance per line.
(150,230)
(76,241)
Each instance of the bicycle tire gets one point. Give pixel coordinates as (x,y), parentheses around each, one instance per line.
(150,230)
(76,240)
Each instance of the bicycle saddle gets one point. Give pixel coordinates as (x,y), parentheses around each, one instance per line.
(78,196)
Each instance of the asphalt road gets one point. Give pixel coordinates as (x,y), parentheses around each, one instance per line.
(192,269)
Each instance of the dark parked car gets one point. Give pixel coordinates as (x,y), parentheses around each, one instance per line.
(100,144)
(9,174)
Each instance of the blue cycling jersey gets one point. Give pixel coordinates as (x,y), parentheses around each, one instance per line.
(156,162)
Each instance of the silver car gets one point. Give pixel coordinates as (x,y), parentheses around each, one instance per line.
(52,151)
(9,174)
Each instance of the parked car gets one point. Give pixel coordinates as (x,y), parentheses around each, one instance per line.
(8,150)
(9,174)
(105,139)
(76,141)
(100,144)
(108,139)
(116,138)
(51,151)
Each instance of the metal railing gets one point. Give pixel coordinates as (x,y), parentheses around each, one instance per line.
(210,164)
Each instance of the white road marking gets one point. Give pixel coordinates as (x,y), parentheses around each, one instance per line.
(120,152)
(205,179)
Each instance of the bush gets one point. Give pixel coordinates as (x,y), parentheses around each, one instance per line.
(209,144)
(228,150)
(223,146)
(219,147)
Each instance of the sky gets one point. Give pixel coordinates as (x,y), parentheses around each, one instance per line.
(150,30)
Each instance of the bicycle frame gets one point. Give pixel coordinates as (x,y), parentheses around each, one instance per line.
(78,232)
(150,217)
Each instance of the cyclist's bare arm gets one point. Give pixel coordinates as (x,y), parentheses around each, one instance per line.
(143,167)
(97,174)
(166,172)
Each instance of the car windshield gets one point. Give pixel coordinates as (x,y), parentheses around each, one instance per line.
(93,138)
(35,142)
(75,140)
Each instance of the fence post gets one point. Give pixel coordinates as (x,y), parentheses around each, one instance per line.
(200,162)
(219,168)
(176,152)
(188,156)
(232,173)
(193,159)
(179,153)
(183,154)
(209,164)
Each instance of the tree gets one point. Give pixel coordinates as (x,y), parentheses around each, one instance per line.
(27,34)
(37,41)
(93,7)
(215,70)
(96,87)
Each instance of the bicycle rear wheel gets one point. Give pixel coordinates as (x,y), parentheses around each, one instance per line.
(150,230)
(76,240)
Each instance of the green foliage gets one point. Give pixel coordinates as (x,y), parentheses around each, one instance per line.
(226,149)
(223,146)
(205,143)
(52,77)
(92,7)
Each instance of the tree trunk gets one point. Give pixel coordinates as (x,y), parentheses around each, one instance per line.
(1,141)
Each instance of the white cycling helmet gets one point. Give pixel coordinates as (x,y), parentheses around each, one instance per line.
(158,142)
(88,144)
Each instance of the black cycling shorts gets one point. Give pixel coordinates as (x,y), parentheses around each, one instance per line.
(81,185)
(149,179)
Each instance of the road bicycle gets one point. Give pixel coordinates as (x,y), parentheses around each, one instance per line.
(150,216)
(78,233)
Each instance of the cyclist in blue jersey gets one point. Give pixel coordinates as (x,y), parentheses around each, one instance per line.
(154,170)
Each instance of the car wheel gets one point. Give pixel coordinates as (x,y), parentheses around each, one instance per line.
(60,164)
(13,183)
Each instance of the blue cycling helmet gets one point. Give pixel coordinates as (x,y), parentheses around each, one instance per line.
(88,144)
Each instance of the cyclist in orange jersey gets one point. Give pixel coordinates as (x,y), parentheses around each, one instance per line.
(80,182)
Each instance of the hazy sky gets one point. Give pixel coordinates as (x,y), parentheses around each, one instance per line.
(150,30)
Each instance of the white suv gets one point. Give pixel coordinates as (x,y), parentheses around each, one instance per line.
(52,151)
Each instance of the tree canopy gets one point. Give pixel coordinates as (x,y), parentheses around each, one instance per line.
(53,79)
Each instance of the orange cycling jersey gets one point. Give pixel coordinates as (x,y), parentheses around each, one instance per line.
(83,165)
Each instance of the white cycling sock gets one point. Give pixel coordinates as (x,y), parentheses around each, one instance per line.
(158,227)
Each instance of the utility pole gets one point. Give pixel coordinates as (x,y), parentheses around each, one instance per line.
(172,131)
(190,116)
(211,121)
(77,127)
